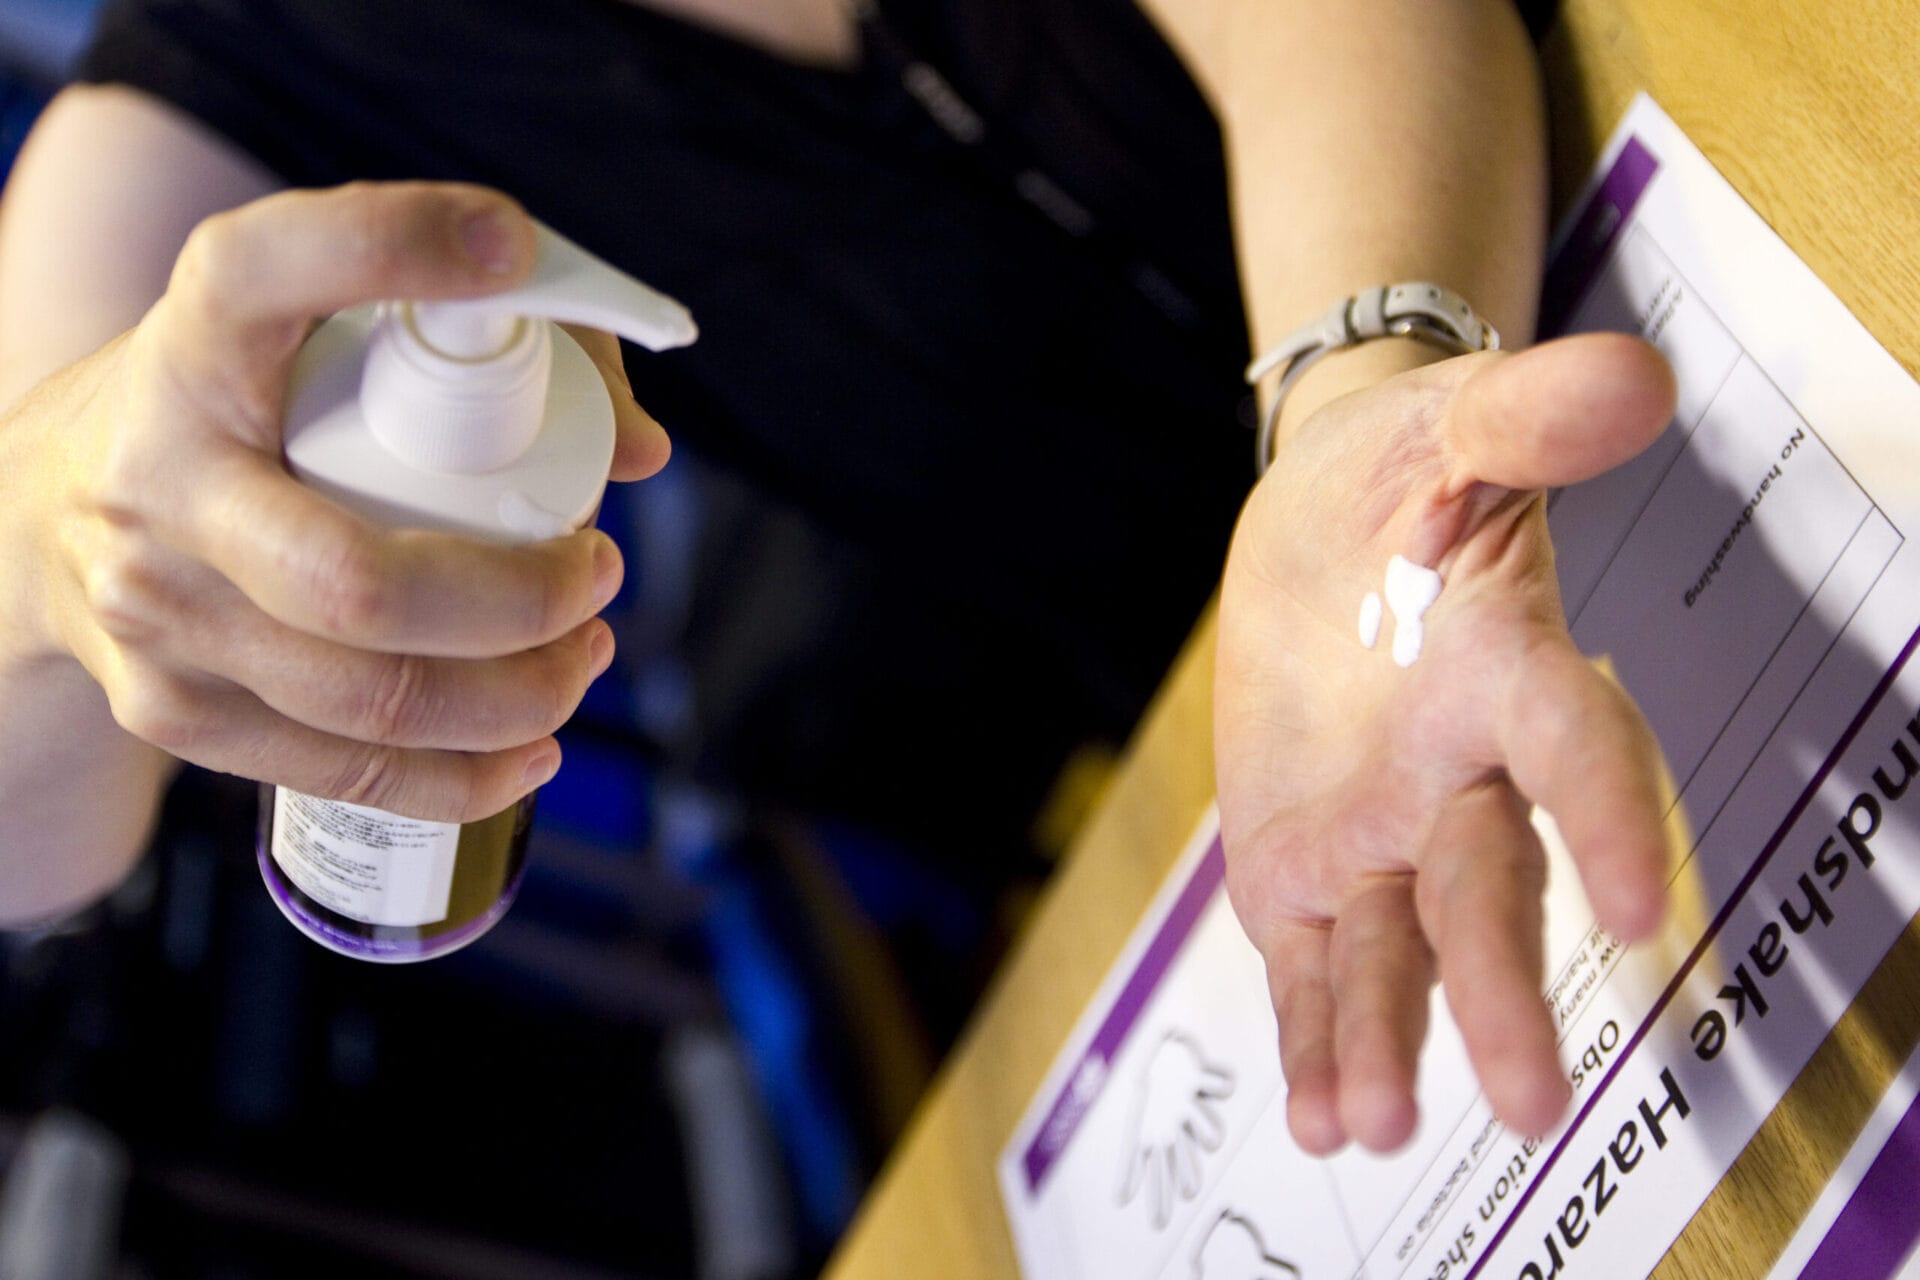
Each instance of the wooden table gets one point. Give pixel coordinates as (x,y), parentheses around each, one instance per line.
(1811,109)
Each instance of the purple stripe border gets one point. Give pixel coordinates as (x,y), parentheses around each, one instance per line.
(1876,1230)
(1577,264)
(1077,1096)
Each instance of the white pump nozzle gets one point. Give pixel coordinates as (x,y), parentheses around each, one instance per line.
(461,386)
(571,286)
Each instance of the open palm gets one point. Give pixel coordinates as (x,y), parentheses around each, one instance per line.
(1376,817)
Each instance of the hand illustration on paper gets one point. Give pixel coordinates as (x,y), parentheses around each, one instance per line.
(1233,1250)
(1176,1120)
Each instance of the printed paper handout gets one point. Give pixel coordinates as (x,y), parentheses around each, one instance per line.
(1749,579)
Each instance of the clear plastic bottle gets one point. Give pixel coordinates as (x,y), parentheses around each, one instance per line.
(479,417)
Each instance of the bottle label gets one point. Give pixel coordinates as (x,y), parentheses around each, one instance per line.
(370,866)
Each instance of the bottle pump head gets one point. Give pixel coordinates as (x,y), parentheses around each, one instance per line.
(461,386)
(475,414)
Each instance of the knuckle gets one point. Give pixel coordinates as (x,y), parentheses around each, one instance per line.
(212,262)
(348,586)
(373,229)
(227,265)
(371,776)
(1556,723)
(388,778)
(120,593)
(159,709)
(400,707)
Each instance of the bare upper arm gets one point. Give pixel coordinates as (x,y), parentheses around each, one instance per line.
(106,189)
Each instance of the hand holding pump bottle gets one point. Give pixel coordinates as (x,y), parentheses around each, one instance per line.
(479,417)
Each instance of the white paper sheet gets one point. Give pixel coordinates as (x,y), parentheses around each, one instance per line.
(1750,580)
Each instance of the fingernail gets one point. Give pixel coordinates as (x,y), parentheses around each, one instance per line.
(491,240)
(600,652)
(541,768)
(606,572)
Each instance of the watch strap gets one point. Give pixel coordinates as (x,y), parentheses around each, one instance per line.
(1415,309)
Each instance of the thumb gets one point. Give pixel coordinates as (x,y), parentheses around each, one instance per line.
(1562,412)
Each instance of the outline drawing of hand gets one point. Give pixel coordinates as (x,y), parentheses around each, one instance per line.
(1232,1249)
(1176,1120)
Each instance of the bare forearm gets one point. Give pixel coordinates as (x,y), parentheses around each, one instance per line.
(1373,141)
(77,793)
(76,797)
(100,202)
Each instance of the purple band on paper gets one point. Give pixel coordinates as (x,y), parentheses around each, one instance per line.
(1084,1085)
(1585,250)
(1706,942)
(1877,1228)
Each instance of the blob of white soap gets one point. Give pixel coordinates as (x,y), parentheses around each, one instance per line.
(1370,619)
(1411,591)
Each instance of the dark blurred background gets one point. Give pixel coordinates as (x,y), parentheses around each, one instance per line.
(683,1054)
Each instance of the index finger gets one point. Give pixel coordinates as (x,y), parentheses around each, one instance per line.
(290,257)
(1575,744)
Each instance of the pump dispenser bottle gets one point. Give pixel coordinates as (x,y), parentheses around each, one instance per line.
(479,417)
